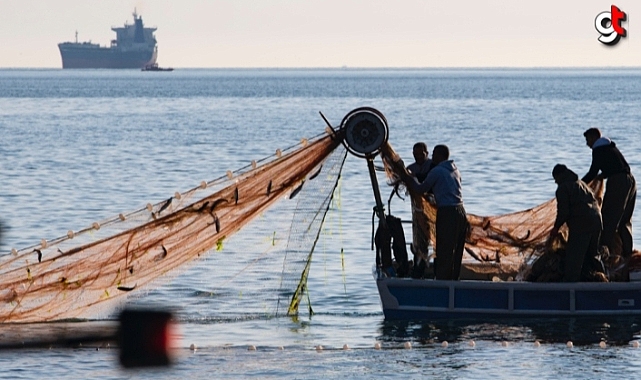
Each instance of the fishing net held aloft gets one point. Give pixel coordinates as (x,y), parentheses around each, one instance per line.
(87,273)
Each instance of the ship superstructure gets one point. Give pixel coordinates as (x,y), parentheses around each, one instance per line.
(134,48)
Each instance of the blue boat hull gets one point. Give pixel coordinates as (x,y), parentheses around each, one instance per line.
(403,298)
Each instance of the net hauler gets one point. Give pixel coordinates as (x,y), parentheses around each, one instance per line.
(133,48)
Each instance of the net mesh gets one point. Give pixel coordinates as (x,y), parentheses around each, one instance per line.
(89,272)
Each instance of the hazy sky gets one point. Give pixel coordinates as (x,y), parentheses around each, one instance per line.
(330,33)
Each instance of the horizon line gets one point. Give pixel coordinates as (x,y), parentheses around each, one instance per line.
(338,68)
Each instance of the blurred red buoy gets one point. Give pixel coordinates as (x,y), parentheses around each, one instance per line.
(144,338)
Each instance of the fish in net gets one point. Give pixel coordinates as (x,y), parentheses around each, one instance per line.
(90,272)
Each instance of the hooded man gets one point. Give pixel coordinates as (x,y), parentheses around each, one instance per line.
(444,181)
(620,190)
(577,207)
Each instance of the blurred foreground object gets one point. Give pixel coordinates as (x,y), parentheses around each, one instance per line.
(144,338)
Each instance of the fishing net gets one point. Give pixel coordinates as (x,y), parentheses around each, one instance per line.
(88,273)
(502,245)
(262,269)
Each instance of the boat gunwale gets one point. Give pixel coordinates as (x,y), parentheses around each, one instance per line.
(520,285)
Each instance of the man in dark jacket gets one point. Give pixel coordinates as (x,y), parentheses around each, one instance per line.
(578,208)
(444,180)
(420,226)
(620,190)
(422,163)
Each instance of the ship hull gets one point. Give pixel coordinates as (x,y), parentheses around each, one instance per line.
(74,57)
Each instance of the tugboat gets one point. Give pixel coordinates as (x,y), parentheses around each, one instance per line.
(155,67)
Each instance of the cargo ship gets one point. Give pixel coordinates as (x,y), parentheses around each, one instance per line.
(134,48)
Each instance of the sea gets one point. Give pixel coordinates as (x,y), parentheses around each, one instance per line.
(78,146)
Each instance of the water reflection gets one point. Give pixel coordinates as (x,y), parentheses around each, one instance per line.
(581,331)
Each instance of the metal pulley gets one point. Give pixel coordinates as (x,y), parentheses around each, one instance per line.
(365,130)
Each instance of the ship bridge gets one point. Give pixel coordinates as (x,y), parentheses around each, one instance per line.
(136,35)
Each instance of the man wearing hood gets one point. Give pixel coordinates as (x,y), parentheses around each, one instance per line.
(620,190)
(444,181)
(577,207)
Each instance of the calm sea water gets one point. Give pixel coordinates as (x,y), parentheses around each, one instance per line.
(80,146)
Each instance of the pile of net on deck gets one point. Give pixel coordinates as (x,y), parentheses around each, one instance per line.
(502,246)
(89,273)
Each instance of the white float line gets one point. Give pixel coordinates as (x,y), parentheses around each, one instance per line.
(401,346)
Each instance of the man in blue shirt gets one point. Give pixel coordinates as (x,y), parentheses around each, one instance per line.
(444,181)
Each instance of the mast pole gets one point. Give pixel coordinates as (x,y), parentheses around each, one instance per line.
(379,209)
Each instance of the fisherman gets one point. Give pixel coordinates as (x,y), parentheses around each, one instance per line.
(444,180)
(578,208)
(420,226)
(620,190)
(422,164)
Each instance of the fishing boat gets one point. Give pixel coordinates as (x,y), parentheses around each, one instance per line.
(495,294)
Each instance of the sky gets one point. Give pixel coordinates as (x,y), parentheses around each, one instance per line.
(330,33)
